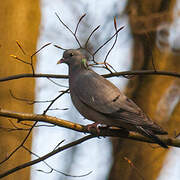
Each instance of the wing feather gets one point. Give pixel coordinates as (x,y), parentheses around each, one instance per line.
(102,95)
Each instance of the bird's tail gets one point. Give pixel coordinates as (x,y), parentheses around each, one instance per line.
(151,135)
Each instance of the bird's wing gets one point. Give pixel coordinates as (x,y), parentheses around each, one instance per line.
(101,95)
(104,97)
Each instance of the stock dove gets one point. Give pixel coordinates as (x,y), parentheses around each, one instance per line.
(99,100)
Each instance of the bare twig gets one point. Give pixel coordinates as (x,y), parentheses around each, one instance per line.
(115,74)
(111,67)
(20,47)
(104,65)
(74,34)
(60,85)
(14,129)
(59,144)
(22,143)
(108,40)
(29,75)
(21,60)
(30,102)
(116,37)
(30,163)
(91,36)
(32,56)
(153,64)
(58,109)
(81,18)
(40,49)
(51,168)
(59,47)
(143,72)
(40,125)
(64,92)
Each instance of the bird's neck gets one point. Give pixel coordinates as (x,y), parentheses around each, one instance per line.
(74,71)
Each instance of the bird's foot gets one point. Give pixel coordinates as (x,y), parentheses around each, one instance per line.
(92,126)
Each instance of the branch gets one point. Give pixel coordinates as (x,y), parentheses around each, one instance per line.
(30,163)
(112,132)
(31,57)
(52,168)
(53,101)
(142,72)
(115,74)
(73,33)
(22,143)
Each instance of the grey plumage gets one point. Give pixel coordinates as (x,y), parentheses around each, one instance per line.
(99,100)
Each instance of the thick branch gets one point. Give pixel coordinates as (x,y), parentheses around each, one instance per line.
(113,132)
(116,74)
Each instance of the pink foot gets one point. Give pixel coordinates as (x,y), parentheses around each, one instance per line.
(93,125)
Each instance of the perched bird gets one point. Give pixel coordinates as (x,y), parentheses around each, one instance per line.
(99,100)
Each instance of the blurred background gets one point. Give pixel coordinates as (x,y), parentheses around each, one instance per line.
(149,39)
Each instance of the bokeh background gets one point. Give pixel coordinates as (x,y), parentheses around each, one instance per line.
(150,36)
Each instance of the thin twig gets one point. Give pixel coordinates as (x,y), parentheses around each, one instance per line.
(59,47)
(81,18)
(30,163)
(60,85)
(20,47)
(153,64)
(14,129)
(53,169)
(30,102)
(108,40)
(91,36)
(41,49)
(116,37)
(57,109)
(45,111)
(32,56)
(22,143)
(21,60)
(69,29)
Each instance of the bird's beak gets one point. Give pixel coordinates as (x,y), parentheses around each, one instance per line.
(60,61)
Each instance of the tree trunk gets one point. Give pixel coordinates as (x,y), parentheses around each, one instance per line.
(135,160)
(19,20)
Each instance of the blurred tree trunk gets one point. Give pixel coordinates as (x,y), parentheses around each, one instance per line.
(19,20)
(151,93)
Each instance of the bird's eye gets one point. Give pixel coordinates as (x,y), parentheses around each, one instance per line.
(71,54)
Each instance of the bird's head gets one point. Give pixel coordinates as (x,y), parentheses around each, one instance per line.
(74,57)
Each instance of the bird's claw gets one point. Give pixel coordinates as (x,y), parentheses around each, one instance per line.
(93,126)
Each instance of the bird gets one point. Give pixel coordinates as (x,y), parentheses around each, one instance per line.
(99,100)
